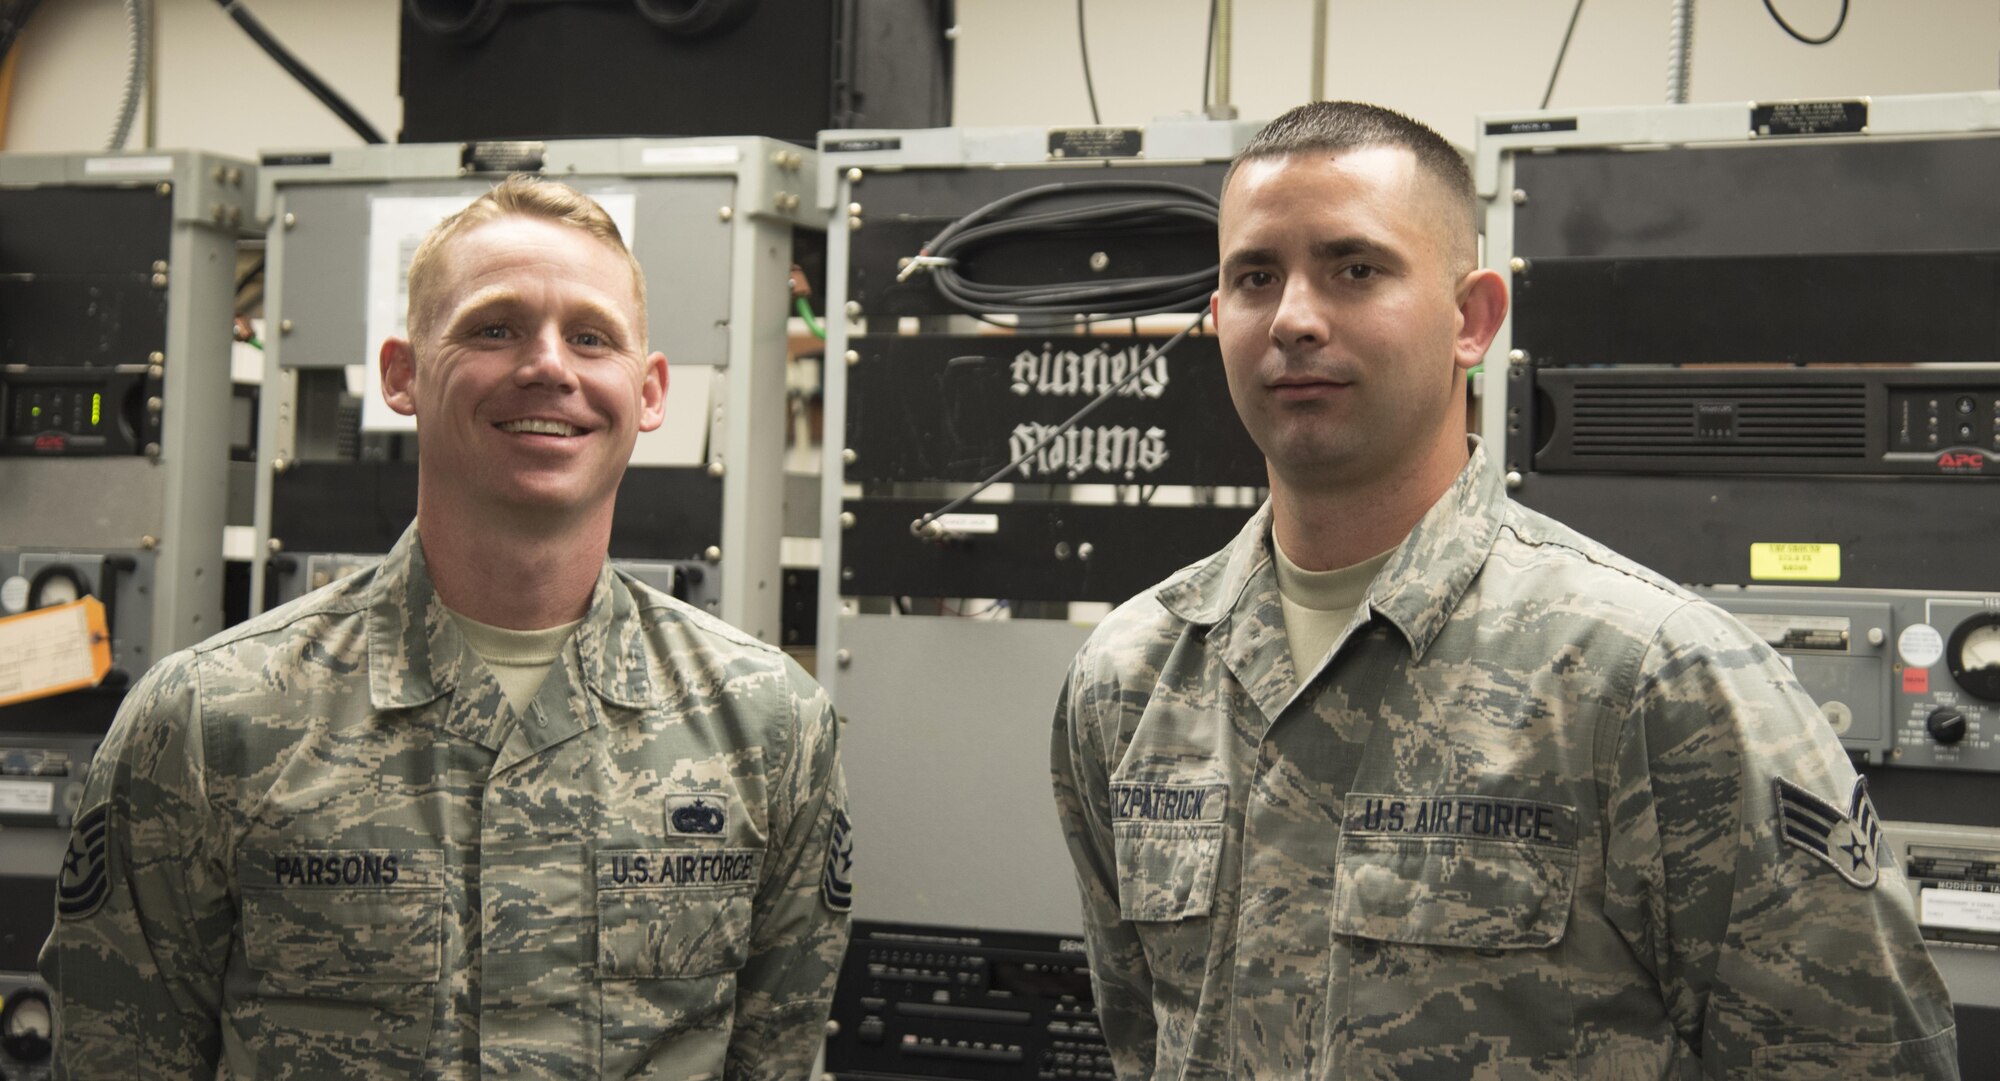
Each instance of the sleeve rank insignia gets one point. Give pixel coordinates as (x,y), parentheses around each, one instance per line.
(85,882)
(1848,842)
(836,882)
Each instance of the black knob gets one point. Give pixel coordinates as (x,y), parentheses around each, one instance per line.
(1946,725)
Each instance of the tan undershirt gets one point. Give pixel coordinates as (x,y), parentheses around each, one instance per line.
(1318,604)
(520,660)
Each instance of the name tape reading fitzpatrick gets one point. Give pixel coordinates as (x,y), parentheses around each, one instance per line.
(1169,802)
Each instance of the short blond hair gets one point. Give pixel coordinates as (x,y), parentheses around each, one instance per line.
(517,196)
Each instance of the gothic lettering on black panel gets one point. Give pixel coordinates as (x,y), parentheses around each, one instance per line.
(958,408)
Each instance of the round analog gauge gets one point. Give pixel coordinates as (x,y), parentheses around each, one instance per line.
(55,584)
(27,1025)
(1973,654)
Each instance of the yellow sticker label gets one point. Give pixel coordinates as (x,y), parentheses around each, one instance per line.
(1795,562)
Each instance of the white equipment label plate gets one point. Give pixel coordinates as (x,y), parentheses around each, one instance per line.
(1965,910)
(27,797)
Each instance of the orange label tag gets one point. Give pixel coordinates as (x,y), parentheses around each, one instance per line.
(1916,681)
(49,651)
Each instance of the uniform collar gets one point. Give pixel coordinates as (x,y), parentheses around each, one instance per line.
(1416,591)
(1423,582)
(417,655)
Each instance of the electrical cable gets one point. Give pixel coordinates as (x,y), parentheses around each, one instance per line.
(1560,53)
(13,18)
(1208,56)
(1155,206)
(946,26)
(139,17)
(1830,34)
(926,528)
(1083,47)
(256,268)
(299,71)
(805,311)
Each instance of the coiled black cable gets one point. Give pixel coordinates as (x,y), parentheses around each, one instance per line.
(1116,208)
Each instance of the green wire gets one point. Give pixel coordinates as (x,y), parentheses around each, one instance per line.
(806,313)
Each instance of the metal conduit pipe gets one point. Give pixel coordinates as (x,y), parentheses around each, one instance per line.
(1225,19)
(139,17)
(1319,51)
(1680,51)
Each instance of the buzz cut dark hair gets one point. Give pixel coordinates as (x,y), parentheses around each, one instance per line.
(1335,127)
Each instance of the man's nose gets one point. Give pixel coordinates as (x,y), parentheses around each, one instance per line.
(546,360)
(1301,315)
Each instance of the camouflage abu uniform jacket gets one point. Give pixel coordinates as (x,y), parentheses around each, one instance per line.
(322,845)
(1524,822)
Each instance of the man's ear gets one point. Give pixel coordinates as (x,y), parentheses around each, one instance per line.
(653,393)
(399,376)
(1482,306)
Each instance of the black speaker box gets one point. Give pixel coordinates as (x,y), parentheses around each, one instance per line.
(556,69)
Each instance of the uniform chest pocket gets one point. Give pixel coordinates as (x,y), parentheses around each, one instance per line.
(1166,870)
(675,913)
(326,920)
(345,947)
(1453,891)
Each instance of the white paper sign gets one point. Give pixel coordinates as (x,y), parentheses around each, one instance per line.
(681,439)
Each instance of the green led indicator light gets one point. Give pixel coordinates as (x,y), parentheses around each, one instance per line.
(35,411)
(96,409)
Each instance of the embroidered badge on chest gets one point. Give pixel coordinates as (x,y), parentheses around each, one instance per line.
(697,815)
(1848,842)
(85,880)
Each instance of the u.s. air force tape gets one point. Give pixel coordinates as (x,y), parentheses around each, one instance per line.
(85,881)
(678,868)
(1846,842)
(1480,818)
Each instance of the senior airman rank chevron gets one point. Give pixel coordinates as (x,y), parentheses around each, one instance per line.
(1848,842)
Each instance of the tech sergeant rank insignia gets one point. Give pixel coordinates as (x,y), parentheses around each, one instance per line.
(84,883)
(836,882)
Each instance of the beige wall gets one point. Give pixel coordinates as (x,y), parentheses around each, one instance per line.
(1444,61)
(216,89)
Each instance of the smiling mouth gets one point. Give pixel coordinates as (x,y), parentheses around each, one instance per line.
(539,427)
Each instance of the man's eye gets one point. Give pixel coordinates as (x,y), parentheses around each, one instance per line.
(1256,279)
(495,332)
(1361,272)
(589,339)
